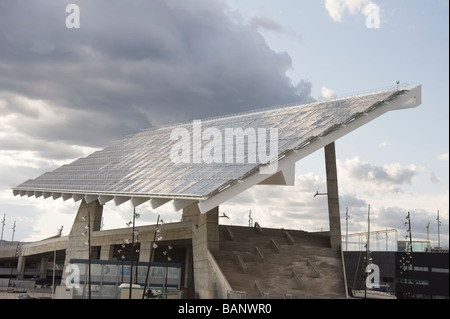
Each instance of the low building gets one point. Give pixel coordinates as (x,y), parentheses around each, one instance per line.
(429,280)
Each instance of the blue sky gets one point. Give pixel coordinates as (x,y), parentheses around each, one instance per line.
(50,113)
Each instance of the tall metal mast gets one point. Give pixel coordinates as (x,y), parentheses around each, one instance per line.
(14,230)
(347,216)
(3,226)
(367,250)
(408,223)
(439,226)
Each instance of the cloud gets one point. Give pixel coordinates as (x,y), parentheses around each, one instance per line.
(328,94)
(268,24)
(337,9)
(433,178)
(443,157)
(131,66)
(377,179)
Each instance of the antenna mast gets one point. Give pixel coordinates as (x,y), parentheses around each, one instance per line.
(14,230)
(439,226)
(3,226)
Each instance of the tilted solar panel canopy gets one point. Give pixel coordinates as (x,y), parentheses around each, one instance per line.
(151,165)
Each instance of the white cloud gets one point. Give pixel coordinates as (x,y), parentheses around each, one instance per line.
(384,144)
(328,94)
(372,179)
(434,179)
(337,9)
(443,157)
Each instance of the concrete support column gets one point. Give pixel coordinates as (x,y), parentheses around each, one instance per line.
(188,268)
(205,237)
(21,266)
(106,252)
(208,227)
(43,268)
(145,251)
(76,248)
(191,213)
(333,197)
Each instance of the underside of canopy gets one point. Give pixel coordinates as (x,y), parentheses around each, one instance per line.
(140,168)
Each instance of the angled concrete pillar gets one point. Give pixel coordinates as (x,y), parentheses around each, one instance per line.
(205,242)
(76,248)
(333,197)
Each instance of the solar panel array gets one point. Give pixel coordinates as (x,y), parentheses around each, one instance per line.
(141,164)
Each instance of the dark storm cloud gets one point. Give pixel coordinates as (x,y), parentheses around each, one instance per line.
(131,65)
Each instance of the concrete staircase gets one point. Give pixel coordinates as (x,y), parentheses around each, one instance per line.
(278,263)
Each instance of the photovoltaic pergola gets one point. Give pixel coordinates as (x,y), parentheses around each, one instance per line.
(139,168)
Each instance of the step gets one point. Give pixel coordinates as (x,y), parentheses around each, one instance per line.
(298,279)
(241,263)
(274,245)
(259,252)
(315,270)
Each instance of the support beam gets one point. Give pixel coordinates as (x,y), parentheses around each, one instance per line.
(103,199)
(136,201)
(56,195)
(66,196)
(77,197)
(90,198)
(43,268)
(119,200)
(21,267)
(44,194)
(157,202)
(333,197)
(182,203)
(205,242)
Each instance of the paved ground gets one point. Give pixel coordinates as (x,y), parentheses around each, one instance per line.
(34,294)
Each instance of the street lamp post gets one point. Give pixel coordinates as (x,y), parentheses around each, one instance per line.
(347,216)
(409,231)
(14,230)
(153,246)
(439,226)
(132,252)
(88,243)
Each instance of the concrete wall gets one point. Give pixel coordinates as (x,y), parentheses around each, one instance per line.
(209,281)
(76,247)
(219,283)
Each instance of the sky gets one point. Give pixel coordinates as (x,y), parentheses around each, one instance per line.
(68,89)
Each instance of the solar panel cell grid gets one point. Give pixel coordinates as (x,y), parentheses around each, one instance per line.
(141,164)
